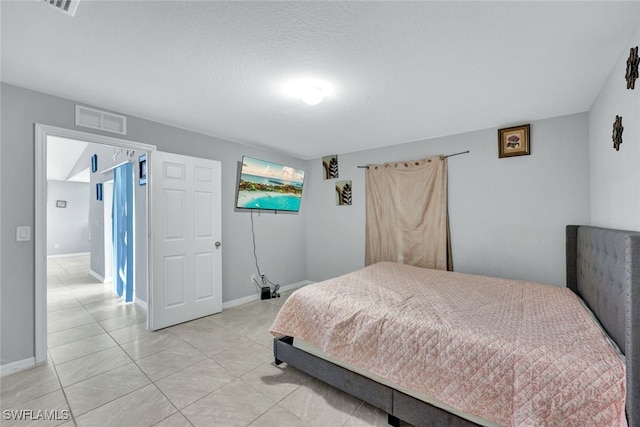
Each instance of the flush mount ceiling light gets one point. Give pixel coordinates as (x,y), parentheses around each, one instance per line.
(310,91)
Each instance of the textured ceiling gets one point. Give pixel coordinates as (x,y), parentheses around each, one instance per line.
(401,71)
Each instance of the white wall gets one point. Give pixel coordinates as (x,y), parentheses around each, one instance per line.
(615,175)
(67,228)
(507,215)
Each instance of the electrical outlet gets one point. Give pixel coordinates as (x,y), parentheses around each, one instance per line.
(254,279)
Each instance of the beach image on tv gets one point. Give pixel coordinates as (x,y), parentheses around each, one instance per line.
(267,185)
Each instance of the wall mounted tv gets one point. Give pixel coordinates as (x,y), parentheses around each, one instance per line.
(269,186)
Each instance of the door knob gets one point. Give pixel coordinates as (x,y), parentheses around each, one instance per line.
(218,244)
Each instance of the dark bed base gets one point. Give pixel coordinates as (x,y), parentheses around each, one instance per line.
(603,268)
(397,405)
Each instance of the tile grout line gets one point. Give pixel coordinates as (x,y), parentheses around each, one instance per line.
(62,387)
(186,367)
(55,368)
(255,339)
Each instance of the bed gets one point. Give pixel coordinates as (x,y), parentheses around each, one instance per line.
(603,269)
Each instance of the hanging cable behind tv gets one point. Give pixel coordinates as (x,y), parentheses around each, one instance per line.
(267,288)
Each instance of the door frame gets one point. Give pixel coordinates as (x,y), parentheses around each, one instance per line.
(41,132)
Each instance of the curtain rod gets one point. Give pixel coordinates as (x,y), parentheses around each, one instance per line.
(444,157)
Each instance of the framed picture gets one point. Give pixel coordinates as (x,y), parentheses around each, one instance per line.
(142,161)
(330,166)
(343,193)
(514,141)
(61,203)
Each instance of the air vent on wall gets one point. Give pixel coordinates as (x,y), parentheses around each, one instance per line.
(96,119)
(68,7)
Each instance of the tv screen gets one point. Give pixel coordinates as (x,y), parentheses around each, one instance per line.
(269,186)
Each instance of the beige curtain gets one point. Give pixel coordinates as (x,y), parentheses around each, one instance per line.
(407,213)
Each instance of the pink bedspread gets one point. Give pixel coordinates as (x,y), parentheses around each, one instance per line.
(514,353)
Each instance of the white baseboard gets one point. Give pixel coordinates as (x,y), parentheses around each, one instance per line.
(256,297)
(20,365)
(240,301)
(68,255)
(99,277)
(142,304)
(294,286)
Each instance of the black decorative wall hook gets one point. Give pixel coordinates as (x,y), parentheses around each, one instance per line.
(617,133)
(632,68)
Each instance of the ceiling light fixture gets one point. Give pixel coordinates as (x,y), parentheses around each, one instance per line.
(310,91)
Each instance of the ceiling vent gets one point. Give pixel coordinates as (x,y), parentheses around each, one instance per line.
(96,119)
(68,7)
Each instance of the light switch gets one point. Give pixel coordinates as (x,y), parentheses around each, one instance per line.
(23,233)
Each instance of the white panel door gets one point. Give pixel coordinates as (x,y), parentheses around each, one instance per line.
(187,254)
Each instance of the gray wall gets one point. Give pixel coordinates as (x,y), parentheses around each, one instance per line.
(507,215)
(615,175)
(67,228)
(280,238)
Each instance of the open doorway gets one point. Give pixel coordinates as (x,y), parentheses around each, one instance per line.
(75,293)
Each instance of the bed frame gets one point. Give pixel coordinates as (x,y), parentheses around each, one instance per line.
(603,268)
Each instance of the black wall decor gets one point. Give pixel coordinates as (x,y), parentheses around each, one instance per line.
(617,133)
(330,166)
(632,68)
(343,193)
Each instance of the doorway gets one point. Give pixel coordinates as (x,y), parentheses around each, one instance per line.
(96,224)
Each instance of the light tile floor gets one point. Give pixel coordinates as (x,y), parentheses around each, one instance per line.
(106,369)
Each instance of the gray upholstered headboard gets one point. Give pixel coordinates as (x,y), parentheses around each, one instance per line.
(603,268)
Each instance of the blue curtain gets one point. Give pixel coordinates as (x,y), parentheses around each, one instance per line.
(122,216)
